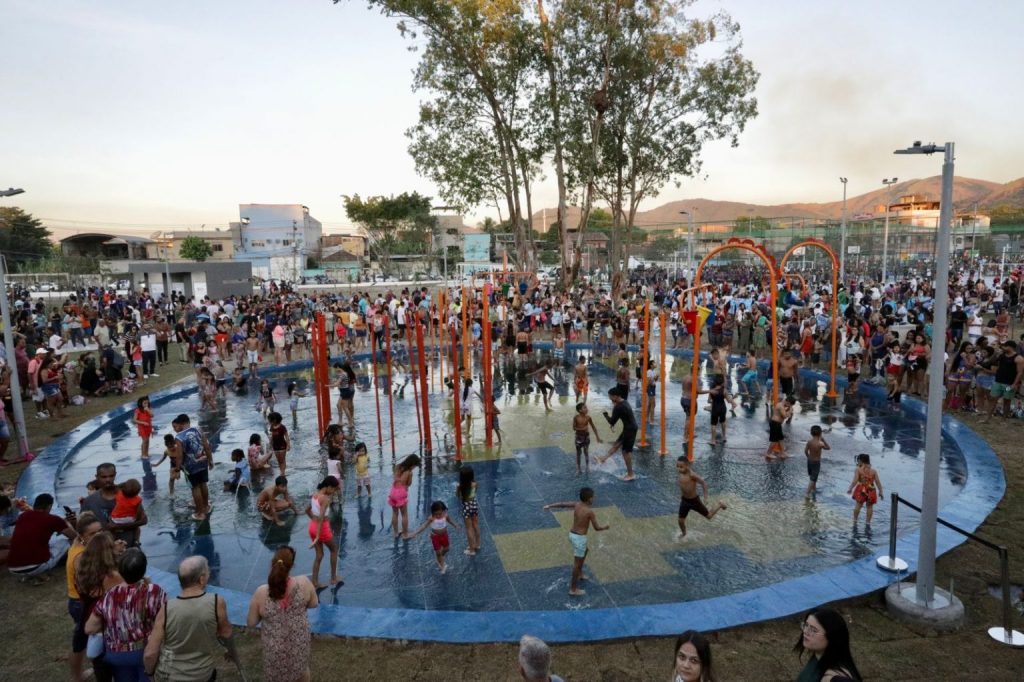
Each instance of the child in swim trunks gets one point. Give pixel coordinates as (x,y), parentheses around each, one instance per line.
(583,517)
(813,449)
(126,505)
(582,423)
(438,521)
(691,500)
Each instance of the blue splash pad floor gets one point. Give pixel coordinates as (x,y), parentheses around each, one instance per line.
(769,554)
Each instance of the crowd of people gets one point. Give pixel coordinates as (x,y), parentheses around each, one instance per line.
(98,343)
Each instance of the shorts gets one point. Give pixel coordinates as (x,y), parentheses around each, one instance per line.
(579,544)
(278,342)
(439,541)
(544,386)
(583,439)
(197,477)
(50,390)
(145,431)
(896,369)
(775,434)
(346,393)
(685,404)
(253,356)
(864,494)
(363,480)
(749,376)
(852,377)
(334,469)
(627,440)
(1001,390)
(813,469)
(984,381)
(470,509)
(325,531)
(5,430)
(717,416)
(688,504)
(398,496)
(786,385)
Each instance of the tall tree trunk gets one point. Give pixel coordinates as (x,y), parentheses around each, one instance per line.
(556,123)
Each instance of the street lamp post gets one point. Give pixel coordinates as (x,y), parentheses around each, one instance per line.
(689,242)
(842,245)
(925,589)
(885,236)
(11,191)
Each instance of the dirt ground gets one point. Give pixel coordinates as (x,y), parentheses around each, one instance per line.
(37,629)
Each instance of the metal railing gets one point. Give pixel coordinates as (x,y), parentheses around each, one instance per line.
(890,562)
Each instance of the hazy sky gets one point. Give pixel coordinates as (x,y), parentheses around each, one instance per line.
(143,116)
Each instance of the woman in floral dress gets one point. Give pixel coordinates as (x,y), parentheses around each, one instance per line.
(280,606)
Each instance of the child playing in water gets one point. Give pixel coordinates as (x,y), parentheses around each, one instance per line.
(143,419)
(293,400)
(583,517)
(466,492)
(127,505)
(268,504)
(362,470)
(171,451)
(492,410)
(815,446)
(582,423)
(691,501)
(439,521)
(398,496)
(581,381)
(258,459)
(781,411)
(280,442)
(866,487)
(267,399)
(240,474)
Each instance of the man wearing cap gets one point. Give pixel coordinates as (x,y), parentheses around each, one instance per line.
(193,451)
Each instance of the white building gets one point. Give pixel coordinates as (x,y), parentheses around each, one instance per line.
(277,239)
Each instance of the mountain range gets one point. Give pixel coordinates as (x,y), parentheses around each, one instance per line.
(967,193)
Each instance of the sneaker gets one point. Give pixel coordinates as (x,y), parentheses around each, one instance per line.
(41,415)
(154,374)
(145,376)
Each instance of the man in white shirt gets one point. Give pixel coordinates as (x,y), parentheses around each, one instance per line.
(147,341)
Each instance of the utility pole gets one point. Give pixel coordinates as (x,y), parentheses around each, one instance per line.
(885,238)
(19,409)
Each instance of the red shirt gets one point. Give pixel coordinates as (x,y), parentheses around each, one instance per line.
(30,543)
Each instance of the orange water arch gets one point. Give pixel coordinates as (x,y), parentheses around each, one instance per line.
(773,272)
(820,244)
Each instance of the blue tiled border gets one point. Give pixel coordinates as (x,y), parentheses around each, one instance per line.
(983,490)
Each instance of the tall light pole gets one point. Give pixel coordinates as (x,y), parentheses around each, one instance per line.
(689,242)
(842,245)
(885,236)
(925,591)
(11,191)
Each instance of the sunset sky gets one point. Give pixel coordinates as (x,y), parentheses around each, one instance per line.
(144,116)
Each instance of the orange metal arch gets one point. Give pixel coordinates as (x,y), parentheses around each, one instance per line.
(773,272)
(820,244)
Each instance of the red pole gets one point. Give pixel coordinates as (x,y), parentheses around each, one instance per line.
(644,358)
(325,374)
(315,338)
(376,386)
(391,397)
(415,379)
(457,419)
(485,361)
(423,386)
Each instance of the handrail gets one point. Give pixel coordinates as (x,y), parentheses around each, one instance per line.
(891,562)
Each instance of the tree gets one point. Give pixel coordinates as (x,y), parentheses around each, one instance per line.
(195,248)
(395,225)
(23,238)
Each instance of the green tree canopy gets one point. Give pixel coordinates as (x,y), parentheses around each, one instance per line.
(195,248)
(23,238)
(395,225)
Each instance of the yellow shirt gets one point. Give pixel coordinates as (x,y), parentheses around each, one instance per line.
(73,552)
(362,465)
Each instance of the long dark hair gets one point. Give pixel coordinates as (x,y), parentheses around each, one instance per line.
(280,568)
(837,654)
(466,385)
(700,643)
(409,463)
(347,368)
(465,482)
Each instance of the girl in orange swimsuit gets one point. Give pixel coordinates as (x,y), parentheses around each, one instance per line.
(866,487)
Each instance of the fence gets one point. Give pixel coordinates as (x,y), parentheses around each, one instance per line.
(1005,634)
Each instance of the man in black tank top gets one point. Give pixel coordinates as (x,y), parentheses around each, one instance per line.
(1009,371)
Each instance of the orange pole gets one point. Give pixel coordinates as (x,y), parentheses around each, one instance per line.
(457,418)
(376,385)
(644,361)
(325,380)
(817,243)
(431,330)
(391,397)
(485,362)
(664,441)
(428,446)
(315,347)
(759,251)
(442,317)
(415,381)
